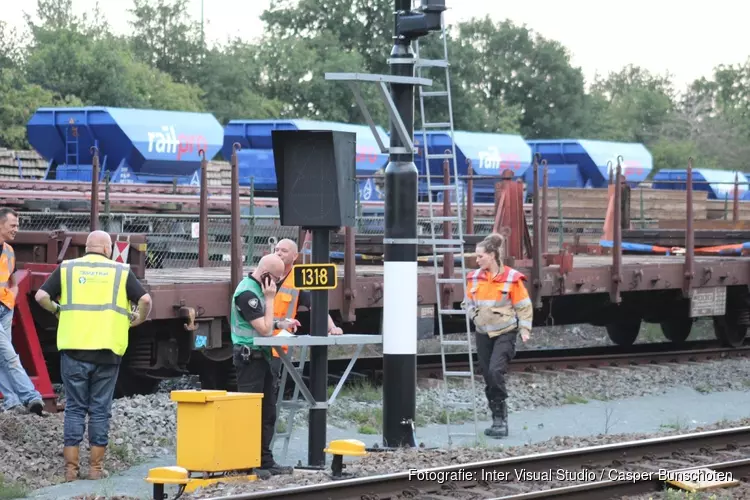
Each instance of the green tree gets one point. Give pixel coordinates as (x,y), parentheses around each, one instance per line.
(294,73)
(364,27)
(231,79)
(72,56)
(512,66)
(11,50)
(631,105)
(20,100)
(166,38)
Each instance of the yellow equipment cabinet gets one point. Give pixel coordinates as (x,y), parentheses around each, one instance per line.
(218,436)
(218,430)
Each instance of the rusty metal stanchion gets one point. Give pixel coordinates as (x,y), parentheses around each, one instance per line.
(469,197)
(203,217)
(94,188)
(536,247)
(236,258)
(736,201)
(689,236)
(448,258)
(348,309)
(544,226)
(614,295)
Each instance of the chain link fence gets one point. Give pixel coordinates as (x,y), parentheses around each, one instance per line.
(172,240)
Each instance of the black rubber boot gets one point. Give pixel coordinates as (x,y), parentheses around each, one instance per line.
(499,428)
(276,469)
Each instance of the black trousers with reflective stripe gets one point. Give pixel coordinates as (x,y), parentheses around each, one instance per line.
(257,375)
(494,356)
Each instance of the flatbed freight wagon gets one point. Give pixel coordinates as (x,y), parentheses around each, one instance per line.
(188,329)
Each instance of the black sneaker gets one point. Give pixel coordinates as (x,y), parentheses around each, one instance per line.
(262,474)
(36,406)
(276,469)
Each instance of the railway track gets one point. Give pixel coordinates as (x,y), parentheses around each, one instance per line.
(600,472)
(430,365)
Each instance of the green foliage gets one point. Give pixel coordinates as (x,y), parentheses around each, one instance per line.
(505,78)
(20,99)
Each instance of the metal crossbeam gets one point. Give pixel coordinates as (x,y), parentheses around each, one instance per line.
(354,79)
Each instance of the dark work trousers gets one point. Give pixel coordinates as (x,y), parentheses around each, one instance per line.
(494,356)
(257,375)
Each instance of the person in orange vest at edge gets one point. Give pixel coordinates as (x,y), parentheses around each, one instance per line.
(499,305)
(19,393)
(288,298)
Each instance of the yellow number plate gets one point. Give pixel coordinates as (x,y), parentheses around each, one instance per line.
(315,276)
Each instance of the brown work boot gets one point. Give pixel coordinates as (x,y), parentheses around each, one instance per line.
(96,463)
(71,463)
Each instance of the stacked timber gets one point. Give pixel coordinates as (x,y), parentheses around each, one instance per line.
(645,203)
(721,209)
(219,174)
(32,165)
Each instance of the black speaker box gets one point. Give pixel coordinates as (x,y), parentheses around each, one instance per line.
(316,177)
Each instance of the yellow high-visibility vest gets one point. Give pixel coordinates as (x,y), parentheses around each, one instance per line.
(94,306)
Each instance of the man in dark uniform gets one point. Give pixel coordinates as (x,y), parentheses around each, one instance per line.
(257,370)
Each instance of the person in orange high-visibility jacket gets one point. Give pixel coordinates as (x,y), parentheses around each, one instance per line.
(288,298)
(19,393)
(499,305)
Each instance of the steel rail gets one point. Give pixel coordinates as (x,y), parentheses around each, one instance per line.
(393,485)
(569,358)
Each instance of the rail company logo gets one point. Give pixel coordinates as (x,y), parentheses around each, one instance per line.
(168,142)
(367,153)
(492,160)
(630,168)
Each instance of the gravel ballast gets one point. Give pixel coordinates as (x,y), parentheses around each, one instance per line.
(550,389)
(144,426)
(404,460)
(31,446)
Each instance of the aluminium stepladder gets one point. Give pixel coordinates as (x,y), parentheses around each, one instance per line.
(442,246)
(294,404)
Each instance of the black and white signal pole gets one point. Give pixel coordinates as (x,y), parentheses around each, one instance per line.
(400,239)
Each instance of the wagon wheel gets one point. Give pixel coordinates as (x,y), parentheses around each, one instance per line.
(677,329)
(625,330)
(129,383)
(728,332)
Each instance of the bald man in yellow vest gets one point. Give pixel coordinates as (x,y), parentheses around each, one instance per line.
(288,298)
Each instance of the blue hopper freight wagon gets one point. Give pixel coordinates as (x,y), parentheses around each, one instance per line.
(135,145)
(718,183)
(576,163)
(255,159)
(489,155)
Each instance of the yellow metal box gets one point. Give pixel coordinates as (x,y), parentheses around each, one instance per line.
(218,430)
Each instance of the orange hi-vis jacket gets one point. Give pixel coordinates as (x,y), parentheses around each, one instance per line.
(498,305)
(285,305)
(7,264)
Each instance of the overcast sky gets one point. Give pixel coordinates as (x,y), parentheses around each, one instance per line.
(686,39)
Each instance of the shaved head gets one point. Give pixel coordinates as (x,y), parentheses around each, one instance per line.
(99,242)
(270,264)
(287,251)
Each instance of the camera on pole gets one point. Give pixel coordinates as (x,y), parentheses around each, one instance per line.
(422,22)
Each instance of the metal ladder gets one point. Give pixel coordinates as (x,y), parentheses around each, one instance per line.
(294,404)
(71,146)
(443,246)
